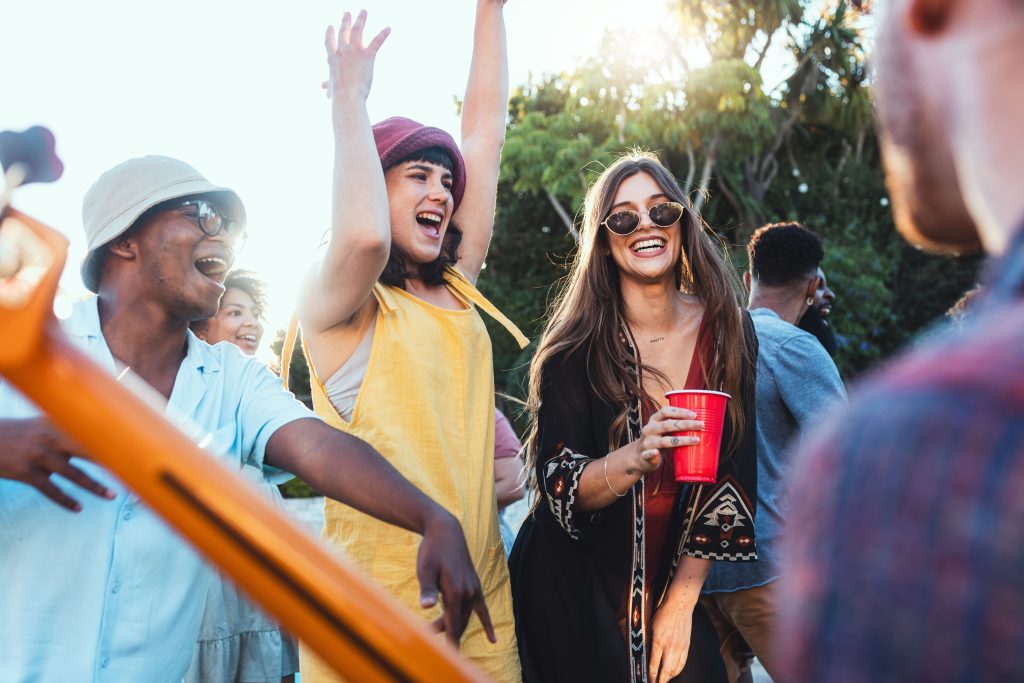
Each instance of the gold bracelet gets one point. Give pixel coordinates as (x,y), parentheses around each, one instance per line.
(607,481)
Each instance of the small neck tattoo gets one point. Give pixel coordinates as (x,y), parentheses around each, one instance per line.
(657,339)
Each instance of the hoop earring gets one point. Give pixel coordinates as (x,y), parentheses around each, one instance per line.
(810,301)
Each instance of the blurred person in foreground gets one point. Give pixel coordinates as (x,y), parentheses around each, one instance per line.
(112,592)
(797,383)
(237,641)
(816,319)
(906,545)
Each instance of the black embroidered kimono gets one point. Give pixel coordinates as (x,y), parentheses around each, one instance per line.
(575,575)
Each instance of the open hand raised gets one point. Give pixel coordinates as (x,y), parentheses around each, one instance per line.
(350,64)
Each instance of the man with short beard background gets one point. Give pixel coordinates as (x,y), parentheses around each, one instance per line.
(815,320)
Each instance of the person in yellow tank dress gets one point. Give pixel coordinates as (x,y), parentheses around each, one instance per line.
(398,351)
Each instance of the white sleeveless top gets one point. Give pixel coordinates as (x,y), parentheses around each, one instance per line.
(342,388)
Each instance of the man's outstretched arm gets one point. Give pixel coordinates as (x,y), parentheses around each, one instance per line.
(349,470)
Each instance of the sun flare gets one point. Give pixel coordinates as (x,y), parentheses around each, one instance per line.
(646,32)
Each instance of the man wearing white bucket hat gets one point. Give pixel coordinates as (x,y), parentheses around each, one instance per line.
(125,193)
(161,240)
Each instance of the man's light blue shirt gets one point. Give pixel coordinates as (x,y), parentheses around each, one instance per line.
(797,386)
(112,593)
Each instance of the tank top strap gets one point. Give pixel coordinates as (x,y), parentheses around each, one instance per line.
(288,348)
(462,288)
(385,298)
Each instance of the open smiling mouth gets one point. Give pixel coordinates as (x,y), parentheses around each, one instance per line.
(213,268)
(248,339)
(648,246)
(430,222)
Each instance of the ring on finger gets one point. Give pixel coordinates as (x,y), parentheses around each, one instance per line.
(675,440)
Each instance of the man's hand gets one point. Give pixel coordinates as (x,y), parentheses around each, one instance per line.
(443,563)
(349,470)
(33,450)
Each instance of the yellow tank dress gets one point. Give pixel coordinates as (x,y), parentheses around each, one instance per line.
(427,405)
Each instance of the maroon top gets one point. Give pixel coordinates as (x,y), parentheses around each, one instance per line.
(506,443)
(660,486)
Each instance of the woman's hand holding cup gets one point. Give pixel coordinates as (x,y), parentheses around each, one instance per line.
(657,437)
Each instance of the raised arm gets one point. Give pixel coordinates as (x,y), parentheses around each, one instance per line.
(360,225)
(484,113)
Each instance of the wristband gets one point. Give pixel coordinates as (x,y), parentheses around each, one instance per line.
(607,481)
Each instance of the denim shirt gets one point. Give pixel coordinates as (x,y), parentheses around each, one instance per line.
(112,593)
(797,384)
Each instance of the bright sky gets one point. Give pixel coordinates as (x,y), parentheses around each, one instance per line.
(232,88)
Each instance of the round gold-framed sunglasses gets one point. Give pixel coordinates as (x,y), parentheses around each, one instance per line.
(626,221)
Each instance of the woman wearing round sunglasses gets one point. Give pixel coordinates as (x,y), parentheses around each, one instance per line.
(607,571)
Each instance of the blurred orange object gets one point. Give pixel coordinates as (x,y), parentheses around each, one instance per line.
(350,623)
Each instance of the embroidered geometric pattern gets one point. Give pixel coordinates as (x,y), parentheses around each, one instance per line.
(730,557)
(695,492)
(722,528)
(638,590)
(637,604)
(561,480)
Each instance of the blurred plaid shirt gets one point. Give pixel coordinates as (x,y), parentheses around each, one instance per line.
(905,549)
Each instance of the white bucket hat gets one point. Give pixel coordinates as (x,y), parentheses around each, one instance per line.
(122,194)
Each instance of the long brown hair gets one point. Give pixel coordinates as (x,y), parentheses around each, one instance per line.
(585,315)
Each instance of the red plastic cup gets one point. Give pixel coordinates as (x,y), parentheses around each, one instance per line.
(699,463)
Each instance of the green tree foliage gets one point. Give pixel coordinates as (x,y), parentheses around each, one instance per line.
(802,150)
(298,371)
(298,382)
